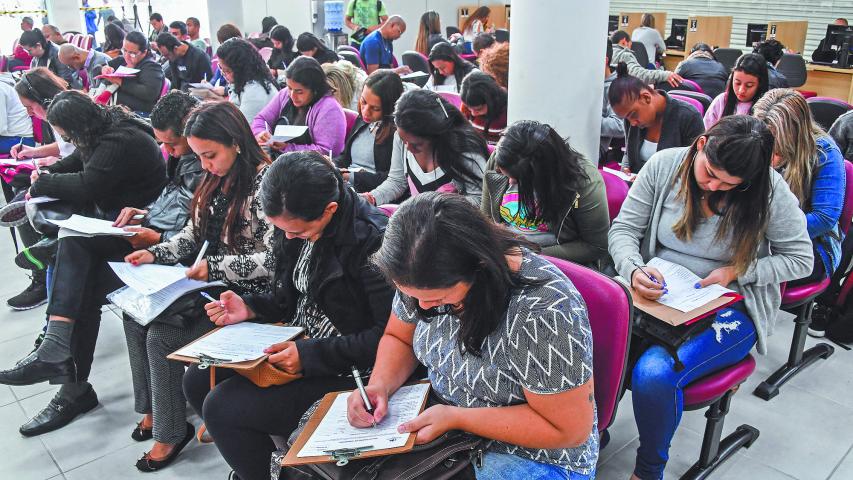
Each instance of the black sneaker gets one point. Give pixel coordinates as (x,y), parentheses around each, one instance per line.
(820,319)
(13,214)
(34,296)
(39,255)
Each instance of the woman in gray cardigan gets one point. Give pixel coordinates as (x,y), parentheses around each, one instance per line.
(718,209)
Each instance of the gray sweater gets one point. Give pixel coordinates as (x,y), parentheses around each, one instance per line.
(633,237)
(622,54)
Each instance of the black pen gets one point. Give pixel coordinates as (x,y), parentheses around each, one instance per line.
(363,392)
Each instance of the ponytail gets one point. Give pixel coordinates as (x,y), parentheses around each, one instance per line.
(625,87)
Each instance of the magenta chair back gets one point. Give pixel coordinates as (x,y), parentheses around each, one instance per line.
(453,98)
(616,190)
(692,101)
(388,208)
(167,85)
(847,210)
(610,310)
(351,117)
(693,85)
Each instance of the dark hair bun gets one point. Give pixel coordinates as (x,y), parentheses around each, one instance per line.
(622,70)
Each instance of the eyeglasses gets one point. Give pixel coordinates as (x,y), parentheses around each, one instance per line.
(130,54)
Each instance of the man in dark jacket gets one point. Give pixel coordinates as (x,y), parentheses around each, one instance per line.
(772,50)
(84,278)
(702,67)
(187,64)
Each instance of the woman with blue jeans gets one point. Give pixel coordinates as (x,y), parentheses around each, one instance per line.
(504,336)
(718,209)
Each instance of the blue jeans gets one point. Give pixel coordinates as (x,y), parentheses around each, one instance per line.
(657,388)
(503,466)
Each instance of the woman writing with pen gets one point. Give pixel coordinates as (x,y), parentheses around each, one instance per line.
(323,283)
(225,215)
(717,209)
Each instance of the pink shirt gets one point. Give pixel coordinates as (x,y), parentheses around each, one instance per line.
(715,111)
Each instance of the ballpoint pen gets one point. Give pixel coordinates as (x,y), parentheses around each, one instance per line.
(201,253)
(207,296)
(647,274)
(367,405)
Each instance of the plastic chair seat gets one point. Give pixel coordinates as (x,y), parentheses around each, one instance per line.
(800,294)
(708,389)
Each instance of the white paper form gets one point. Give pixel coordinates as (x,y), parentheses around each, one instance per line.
(417,74)
(147,279)
(334,431)
(87,226)
(681,295)
(240,342)
(145,308)
(37,200)
(284,133)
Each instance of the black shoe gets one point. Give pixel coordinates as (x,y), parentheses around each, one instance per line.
(147,464)
(142,434)
(233,476)
(33,296)
(39,255)
(31,370)
(59,413)
(13,214)
(820,319)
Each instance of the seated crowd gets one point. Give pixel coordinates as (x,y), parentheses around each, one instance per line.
(186,157)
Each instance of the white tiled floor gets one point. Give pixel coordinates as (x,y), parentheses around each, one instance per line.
(806,432)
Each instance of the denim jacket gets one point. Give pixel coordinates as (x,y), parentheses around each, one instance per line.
(826,202)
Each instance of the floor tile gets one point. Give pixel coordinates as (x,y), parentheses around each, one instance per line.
(6,396)
(22,458)
(844,470)
(195,462)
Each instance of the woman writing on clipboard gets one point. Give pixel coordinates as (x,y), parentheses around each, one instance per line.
(717,209)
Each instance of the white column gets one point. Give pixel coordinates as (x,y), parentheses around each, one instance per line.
(556,67)
(220,12)
(65,14)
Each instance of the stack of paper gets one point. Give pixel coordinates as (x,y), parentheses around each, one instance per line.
(80,226)
(151,289)
(682,294)
(239,343)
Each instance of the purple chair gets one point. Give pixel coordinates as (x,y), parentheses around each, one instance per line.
(715,392)
(800,300)
(350,116)
(416,61)
(610,311)
(692,101)
(388,208)
(705,100)
(826,110)
(350,48)
(617,191)
(693,86)
(352,57)
(453,98)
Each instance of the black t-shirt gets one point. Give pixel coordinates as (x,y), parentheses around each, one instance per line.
(193,67)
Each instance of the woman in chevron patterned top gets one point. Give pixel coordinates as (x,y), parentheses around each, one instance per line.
(485,315)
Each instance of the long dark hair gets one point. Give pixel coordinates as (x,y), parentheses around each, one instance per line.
(308,72)
(742,146)
(223,123)
(426,114)
(444,51)
(625,88)
(308,41)
(388,86)
(114,35)
(548,170)
(300,185)
(436,240)
(40,85)
(479,89)
(84,121)
(246,63)
(282,34)
(752,64)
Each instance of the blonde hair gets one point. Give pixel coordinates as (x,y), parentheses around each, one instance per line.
(647,20)
(786,113)
(342,81)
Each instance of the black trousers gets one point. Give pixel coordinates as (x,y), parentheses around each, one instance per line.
(241,416)
(81,280)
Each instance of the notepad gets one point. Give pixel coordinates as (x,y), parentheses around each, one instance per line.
(240,342)
(147,279)
(329,430)
(80,226)
(120,72)
(284,133)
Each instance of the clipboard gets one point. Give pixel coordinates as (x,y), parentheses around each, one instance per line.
(244,365)
(676,317)
(291,459)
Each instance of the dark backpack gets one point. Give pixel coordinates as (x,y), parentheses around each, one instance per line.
(838,297)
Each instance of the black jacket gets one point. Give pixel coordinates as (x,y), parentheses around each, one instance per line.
(141,92)
(681,125)
(710,74)
(347,288)
(124,169)
(280,59)
(193,67)
(366,181)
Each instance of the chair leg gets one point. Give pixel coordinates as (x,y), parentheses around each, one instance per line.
(798,359)
(715,451)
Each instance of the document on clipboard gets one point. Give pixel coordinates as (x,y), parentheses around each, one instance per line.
(240,345)
(328,431)
(683,304)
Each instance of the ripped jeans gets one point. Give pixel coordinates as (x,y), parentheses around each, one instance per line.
(657,388)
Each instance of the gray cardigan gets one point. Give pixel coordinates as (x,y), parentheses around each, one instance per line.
(633,237)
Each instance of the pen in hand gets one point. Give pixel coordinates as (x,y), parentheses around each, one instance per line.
(207,296)
(367,406)
(201,253)
(649,276)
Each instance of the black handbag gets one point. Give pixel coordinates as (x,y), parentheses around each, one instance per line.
(653,331)
(451,456)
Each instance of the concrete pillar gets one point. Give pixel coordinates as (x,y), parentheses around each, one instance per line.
(556,67)
(65,14)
